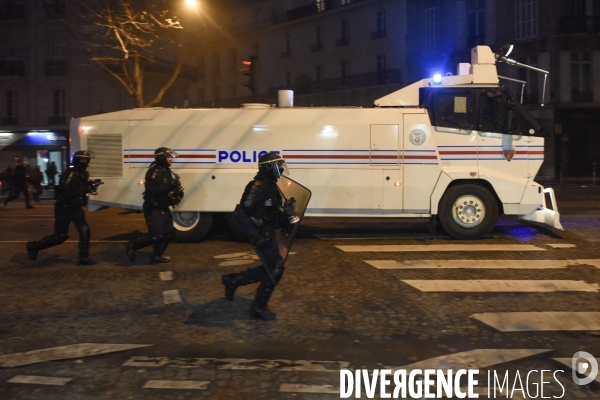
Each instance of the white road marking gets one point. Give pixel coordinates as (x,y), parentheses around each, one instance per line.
(171,296)
(562,245)
(541,321)
(40,380)
(234,255)
(63,352)
(440,247)
(473,359)
(569,363)
(166,275)
(236,262)
(475,264)
(201,385)
(507,286)
(298,388)
(238,364)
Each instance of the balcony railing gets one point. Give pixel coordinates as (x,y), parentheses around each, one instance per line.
(163,67)
(316,47)
(12,11)
(342,42)
(579,25)
(56,67)
(379,34)
(311,9)
(348,81)
(12,68)
(57,120)
(582,97)
(9,121)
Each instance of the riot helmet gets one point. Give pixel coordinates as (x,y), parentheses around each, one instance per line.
(162,155)
(272,165)
(81,159)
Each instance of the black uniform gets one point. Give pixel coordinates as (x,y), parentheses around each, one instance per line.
(20,181)
(162,187)
(259,214)
(71,194)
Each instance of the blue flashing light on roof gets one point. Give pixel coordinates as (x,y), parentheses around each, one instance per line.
(437,78)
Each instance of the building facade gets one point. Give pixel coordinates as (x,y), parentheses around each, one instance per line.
(560,36)
(329,52)
(46,79)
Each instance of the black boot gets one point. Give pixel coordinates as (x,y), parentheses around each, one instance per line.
(37,245)
(159,259)
(130,252)
(136,244)
(258,308)
(231,283)
(84,247)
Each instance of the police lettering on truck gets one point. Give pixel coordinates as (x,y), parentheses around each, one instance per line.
(460,148)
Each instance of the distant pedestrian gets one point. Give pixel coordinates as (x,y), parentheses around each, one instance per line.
(20,184)
(51,172)
(163,190)
(7,180)
(36,179)
(71,194)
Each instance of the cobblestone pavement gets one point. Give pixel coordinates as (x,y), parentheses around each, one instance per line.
(332,307)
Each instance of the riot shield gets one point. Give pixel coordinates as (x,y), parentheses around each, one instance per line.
(290,188)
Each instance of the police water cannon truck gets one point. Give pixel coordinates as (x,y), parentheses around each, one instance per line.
(458,148)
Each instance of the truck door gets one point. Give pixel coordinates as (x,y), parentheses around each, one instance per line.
(502,149)
(385,153)
(420,163)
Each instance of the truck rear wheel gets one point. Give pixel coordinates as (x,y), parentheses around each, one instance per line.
(468,211)
(191,226)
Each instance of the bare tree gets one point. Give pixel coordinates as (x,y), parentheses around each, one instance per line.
(123,38)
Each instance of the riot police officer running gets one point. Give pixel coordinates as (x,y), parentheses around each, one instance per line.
(71,194)
(259,214)
(163,190)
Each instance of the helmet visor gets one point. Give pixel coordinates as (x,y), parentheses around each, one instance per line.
(281,169)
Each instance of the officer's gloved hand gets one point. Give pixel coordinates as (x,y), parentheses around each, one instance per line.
(289,207)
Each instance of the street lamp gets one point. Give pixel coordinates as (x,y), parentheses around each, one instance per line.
(191,3)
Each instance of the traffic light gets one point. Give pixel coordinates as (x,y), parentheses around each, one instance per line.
(249,69)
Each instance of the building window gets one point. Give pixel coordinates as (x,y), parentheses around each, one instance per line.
(381,68)
(475,22)
(57,65)
(344,71)
(581,67)
(532,78)
(429,31)
(12,108)
(345,32)
(320,5)
(380,26)
(59,105)
(288,47)
(318,46)
(526,19)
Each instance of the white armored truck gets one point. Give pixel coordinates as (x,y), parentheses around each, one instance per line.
(461,148)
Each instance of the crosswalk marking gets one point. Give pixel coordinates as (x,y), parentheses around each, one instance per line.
(439,247)
(473,359)
(562,245)
(298,388)
(541,321)
(63,352)
(158,384)
(238,364)
(40,380)
(478,264)
(166,275)
(569,363)
(172,296)
(495,285)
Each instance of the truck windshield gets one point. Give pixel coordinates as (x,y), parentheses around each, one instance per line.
(500,112)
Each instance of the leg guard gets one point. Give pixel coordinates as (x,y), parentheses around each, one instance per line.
(84,241)
(159,248)
(258,308)
(49,241)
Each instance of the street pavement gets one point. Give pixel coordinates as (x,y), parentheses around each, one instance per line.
(357,294)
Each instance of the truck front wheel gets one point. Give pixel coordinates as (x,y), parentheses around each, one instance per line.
(468,211)
(191,226)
